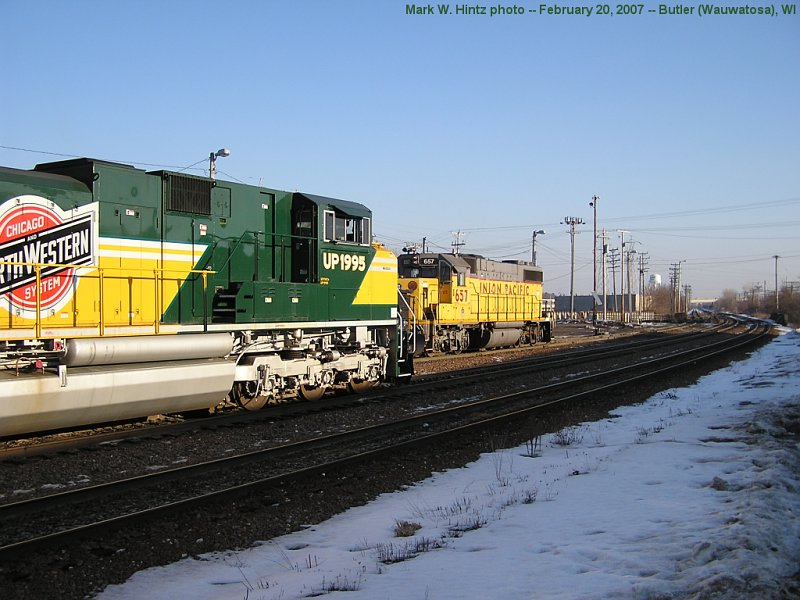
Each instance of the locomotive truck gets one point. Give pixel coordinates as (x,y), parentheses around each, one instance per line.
(125,293)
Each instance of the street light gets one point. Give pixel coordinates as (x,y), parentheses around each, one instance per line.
(533,244)
(593,204)
(212,161)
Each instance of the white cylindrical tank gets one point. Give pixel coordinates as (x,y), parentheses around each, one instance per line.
(151,348)
(39,401)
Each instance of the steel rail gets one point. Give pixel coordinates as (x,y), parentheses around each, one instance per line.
(10,510)
(427,381)
(84,494)
(20,509)
(562,358)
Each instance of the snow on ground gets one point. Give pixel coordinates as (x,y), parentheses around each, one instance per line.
(691,494)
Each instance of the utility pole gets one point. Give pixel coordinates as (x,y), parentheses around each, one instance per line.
(631,251)
(614,261)
(533,244)
(605,251)
(457,243)
(675,282)
(777,306)
(622,233)
(673,279)
(643,257)
(572,222)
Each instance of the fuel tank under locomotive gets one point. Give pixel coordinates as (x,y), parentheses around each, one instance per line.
(113,379)
(116,351)
(499,336)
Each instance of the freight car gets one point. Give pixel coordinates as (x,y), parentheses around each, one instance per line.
(125,293)
(466,302)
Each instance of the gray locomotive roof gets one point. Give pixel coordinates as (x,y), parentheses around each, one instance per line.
(59,181)
(460,265)
(480,264)
(67,165)
(486,267)
(354,209)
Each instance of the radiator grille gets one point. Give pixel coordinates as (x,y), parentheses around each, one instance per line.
(189,194)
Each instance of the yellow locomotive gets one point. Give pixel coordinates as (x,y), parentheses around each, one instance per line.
(460,302)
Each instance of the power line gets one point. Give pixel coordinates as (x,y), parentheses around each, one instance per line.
(134,162)
(710,210)
(685,213)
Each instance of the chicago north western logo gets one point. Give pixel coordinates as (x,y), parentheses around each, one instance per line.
(33,230)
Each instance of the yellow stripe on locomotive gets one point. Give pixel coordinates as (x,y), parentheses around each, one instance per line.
(126,293)
(380,283)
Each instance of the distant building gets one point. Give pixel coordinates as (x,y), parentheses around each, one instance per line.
(585,303)
(703,302)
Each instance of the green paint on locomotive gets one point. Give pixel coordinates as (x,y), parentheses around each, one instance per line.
(266,248)
(277,256)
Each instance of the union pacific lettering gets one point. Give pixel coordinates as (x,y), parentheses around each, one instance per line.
(502,288)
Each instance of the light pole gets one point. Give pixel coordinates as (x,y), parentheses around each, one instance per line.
(677,284)
(212,161)
(622,233)
(777,306)
(533,244)
(572,222)
(593,204)
(605,299)
(631,293)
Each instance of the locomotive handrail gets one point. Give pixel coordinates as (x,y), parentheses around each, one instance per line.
(256,234)
(106,268)
(235,246)
(413,321)
(157,276)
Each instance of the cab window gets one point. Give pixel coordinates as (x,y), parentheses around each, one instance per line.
(410,268)
(445,272)
(346,229)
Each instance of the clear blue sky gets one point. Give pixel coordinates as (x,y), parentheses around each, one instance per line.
(687,128)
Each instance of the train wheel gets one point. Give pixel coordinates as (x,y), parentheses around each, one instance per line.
(312,394)
(244,396)
(256,403)
(360,387)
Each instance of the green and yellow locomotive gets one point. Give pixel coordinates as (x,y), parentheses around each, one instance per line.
(125,293)
(467,302)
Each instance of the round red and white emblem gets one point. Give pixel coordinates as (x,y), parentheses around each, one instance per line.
(36,233)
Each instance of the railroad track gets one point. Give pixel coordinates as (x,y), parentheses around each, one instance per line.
(442,380)
(95,510)
(573,357)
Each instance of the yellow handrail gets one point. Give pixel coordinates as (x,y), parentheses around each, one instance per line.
(157,275)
